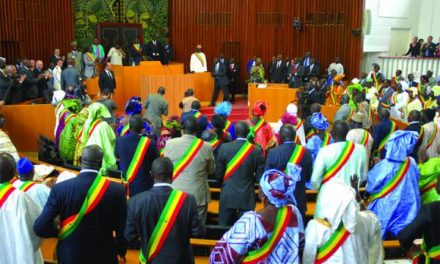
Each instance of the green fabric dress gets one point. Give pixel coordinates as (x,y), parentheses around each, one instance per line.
(429,172)
(69,136)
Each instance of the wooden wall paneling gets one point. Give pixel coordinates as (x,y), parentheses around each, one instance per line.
(24,124)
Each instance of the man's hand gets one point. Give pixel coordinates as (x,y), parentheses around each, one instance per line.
(354,182)
(22,78)
(122,260)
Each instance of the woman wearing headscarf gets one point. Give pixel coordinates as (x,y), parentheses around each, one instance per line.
(321,137)
(65,110)
(270,235)
(291,117)
(429,172)
(96,131)
(336,89)
(340,233)
(392,184)
(217,134)
(132,107)
(172,129)
(224,109)
(69,136)
(260,129)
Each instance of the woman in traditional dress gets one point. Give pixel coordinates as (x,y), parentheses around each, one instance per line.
(272,235)
(321,137)
(132,107)
(224,109)
(260,129)
(89,64)
(291,117)
(172,129)
(217,135)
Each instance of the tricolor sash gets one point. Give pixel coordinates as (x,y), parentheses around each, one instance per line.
(187,157)
(162,152)
(297,156)
(395,79)
(26,186)
(298,125)
(376,82)
(310,134)
(215,142)
(394,98)
(92,199)
(433,253)
(63,115)
(200,58)
(343,158)
(66,121)
(350,115)
(428,187)
(394,182)
(5,190)
(91,56)
(228,126)
(332,245)
(385,139)
(258,126)
(421,134)
(138,157)
(197,115)
(365,138)
(281,222)
(125,130)
(432,137)
(137,48)
(163,226)
(326,140)
(238,159)
(13,180)
(429,103)
(92,127)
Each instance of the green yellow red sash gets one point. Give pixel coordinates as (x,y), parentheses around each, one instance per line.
(281,222)
(125,130)
(394,98)
(215,142)
(395,181)
(395,79)
(421,134)
(433,253)
(91,56)
(63,114)
(163,226)
(66,121)
(138,157)
(376,82)
(238,159)
(228,126)
(332,245)
(200,58)
(93,126)
(297,154)
(197,115)
(365,138)
(26,186)
(162,152)
(137,48)
(258,126)
(92,199)
(350,115)
(428,187)
(385,139)
(343,158)
(297,127)
(187,157)
(326,140)
(310,134)
(13,180)
(432,137)
(5,190)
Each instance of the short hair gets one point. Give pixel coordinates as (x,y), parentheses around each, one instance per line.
(340,129)
(161,90)
(136,123)
(2,120)
(8,167)
(162,169)
(106,91)
(424,77)
(384,114)
(190,92)
(315,108)
(191,125)
(242,129)
(414,115)
(287,133)
(196,105)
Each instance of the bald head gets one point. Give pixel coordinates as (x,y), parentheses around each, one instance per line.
(242,129)
(7,167)
(162,170)
(92,157)
(340,130)
(287,133)
(414,116)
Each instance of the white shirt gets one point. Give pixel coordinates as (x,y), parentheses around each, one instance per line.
(38,193)
(432,151)
(18,242)
(357,135)
(196,65)
(7,146)
(399,106)
(57,78)
(115,56)
(338,67)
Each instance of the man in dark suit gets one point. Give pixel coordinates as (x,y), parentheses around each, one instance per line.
(70,78)
(107,79)
(387,93)
(429,48)
(136,53)
(411,82)
(153,49)
(279,70)
(414,118)
(312,70)
(238,190)
(381,130)
(99,236)
(144,213)
(296,73)
(306,60)
(278,158)
(202,120)
(233,76)
(39,73)
(125,150)
(167,54)
(29,85)
(220,81)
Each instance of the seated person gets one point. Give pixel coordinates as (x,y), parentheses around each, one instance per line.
(6,144)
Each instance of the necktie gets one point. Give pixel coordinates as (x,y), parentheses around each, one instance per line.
(110,75)
(278,64)
(216,67)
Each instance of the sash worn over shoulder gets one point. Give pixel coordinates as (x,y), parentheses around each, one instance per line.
(282,221)
(238,159)
(365,138)
(198,115)
(200,58)
(340,162)
(258,126)
(26,186)
(125,130)
(382,143)
(6,189)
(428,187)
(335,241)
(163,225)
(432,137)
(326,140)
(187,157)
(138,157)
(93,126)
(93,197)
(297,127)
(395,181)
(297,155)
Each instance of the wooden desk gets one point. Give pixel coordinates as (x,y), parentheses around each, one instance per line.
(203,86)
(278,96)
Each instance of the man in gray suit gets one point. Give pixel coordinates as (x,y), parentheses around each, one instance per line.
(156,106)
(193,179)
(77,56)
(70,78)
(238,190)
(220,81)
